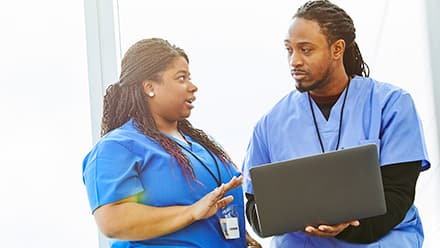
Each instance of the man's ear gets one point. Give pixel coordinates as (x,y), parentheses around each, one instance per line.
(338,49)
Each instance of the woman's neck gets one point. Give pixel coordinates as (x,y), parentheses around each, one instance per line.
(171,129)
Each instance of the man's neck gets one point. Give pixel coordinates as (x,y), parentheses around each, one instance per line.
(334,88)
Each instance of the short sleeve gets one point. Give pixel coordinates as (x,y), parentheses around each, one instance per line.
(256,154)
(402,138)
(110,173)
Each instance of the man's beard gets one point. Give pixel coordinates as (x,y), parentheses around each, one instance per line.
(301,88)
(315,85)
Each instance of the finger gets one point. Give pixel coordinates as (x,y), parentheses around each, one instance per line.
(318,232)
(233,183)
(325,228)
(354,223)
(216,195)
(310,229)
(217,191)
(313,231)
(333,229)
(224,201)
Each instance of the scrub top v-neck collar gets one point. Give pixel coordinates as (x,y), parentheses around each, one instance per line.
(312,106)
(193,149)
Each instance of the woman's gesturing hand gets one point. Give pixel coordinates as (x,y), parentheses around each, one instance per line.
(214,200)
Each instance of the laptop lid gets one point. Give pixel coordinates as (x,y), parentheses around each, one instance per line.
(328,188)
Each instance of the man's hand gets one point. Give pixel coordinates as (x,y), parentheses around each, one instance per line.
(330,231)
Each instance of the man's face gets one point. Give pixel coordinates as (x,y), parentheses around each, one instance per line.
(309,55)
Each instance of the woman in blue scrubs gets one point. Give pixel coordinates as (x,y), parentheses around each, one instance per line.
(153,180)
(336,106)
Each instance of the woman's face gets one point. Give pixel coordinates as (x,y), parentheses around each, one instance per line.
(174,94)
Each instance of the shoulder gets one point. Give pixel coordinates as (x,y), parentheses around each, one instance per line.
(125,139)
(286,106)
(385,93)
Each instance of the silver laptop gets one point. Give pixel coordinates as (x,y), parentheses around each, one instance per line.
(328,188)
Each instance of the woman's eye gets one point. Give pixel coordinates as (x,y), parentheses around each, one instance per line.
(182,78)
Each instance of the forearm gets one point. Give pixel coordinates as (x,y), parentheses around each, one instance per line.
(129,220)
(134,221)
(399,187)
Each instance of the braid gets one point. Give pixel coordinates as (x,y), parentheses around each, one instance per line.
(336,24)
(113,114)
(201,137)
(126,100)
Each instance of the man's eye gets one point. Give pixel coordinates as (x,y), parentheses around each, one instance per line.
(305,50)
(289,50)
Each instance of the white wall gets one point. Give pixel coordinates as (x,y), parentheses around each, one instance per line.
(237,60)
(45,125)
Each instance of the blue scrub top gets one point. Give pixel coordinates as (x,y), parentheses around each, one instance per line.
(374,112)
(124,163)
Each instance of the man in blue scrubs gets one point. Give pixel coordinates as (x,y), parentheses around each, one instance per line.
(336,106)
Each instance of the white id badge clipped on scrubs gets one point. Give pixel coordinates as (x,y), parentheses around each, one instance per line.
(229,222)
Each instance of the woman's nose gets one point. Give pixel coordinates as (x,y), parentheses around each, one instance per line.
(192,87)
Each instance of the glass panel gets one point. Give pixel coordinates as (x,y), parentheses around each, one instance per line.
(45,124)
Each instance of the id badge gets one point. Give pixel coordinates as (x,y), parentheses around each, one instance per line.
(229,222)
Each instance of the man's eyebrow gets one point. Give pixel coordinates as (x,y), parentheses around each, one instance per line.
(299,43)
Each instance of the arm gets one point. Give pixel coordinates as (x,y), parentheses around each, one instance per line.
(128,220)
(399,181)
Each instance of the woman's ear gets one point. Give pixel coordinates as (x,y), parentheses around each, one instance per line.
(148,88)
(338,49)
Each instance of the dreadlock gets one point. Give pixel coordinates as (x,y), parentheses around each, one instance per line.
(336,24)
(126,99)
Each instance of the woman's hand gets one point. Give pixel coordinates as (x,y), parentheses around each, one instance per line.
(330,231)
(213,201)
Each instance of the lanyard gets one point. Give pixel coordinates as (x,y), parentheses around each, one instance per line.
(217,180)
(340,119)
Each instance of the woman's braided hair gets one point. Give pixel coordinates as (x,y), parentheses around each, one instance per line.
(126,99)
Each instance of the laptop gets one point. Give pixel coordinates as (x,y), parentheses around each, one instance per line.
(327,188)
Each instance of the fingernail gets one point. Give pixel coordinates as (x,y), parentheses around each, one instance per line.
(322,228)
(308,229)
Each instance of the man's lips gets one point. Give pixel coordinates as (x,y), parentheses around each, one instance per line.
(298,74)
